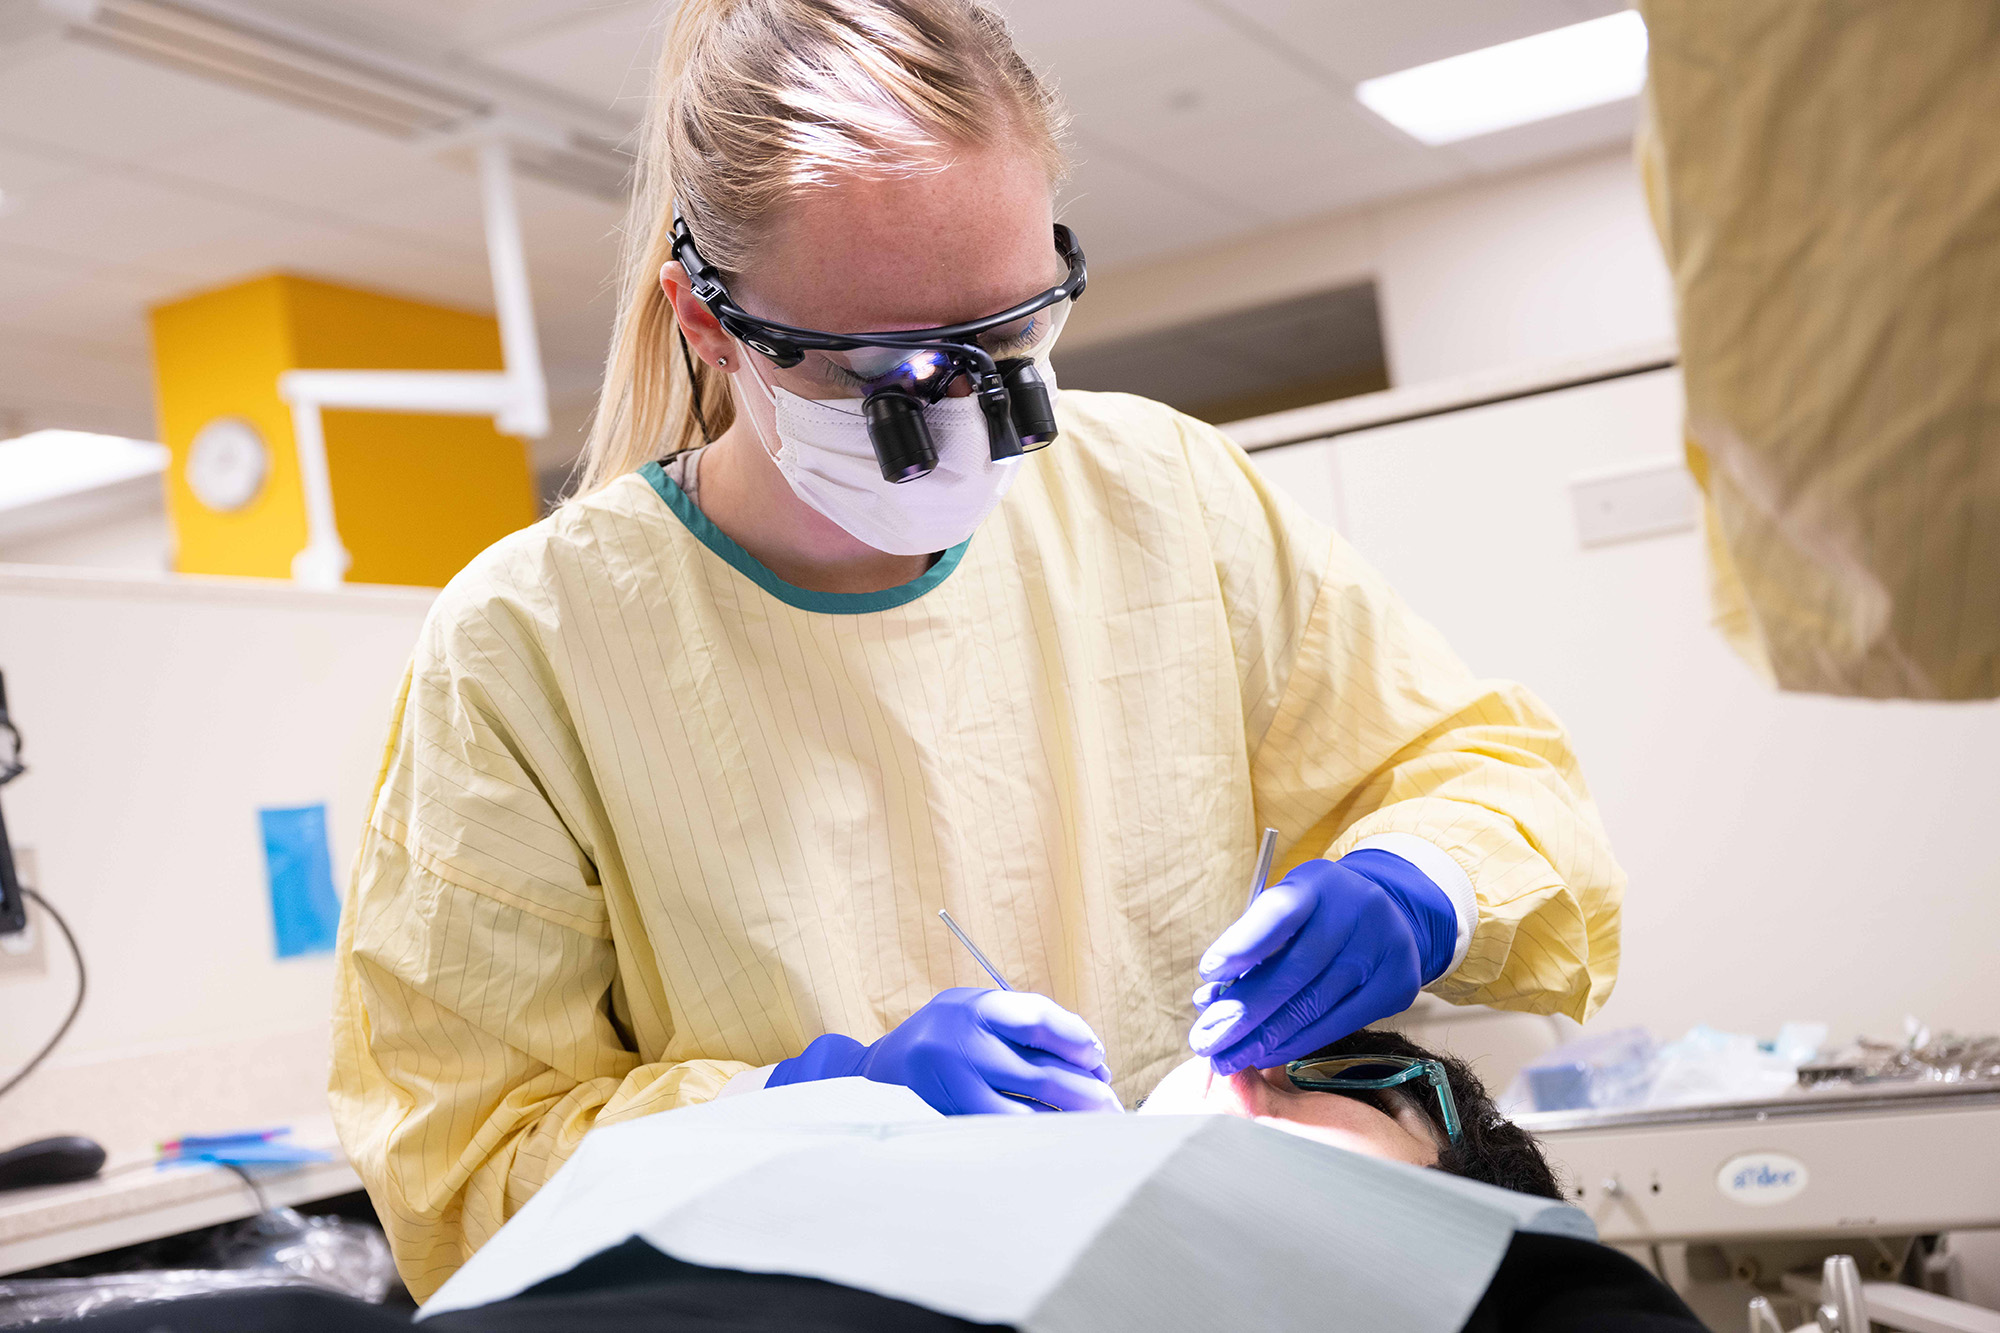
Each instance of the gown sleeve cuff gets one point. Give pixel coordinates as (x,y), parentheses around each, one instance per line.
(750,1080)
(1441,869)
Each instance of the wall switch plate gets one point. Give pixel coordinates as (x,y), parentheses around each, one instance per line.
(24,955)
(1650,500)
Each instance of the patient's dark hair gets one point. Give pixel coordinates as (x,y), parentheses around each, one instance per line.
(1490,1147)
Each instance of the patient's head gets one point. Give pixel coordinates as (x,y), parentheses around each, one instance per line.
(1402,1123)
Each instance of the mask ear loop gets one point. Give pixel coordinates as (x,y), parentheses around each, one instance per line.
(750,364)
(701,417)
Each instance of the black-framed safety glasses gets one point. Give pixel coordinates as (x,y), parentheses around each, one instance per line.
(898,374)
(1374,1073)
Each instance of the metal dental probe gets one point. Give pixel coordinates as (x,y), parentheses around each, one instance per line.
(973,949)
(999,981)
(1265,854)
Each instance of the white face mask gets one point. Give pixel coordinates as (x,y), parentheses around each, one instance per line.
(824,454)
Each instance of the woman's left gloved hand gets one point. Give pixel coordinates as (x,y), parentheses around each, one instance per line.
(1331,948)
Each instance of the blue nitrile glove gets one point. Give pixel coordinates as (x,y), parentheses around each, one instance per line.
(967,1047)
(1328,950)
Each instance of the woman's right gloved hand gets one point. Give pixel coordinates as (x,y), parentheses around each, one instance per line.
(973,1052)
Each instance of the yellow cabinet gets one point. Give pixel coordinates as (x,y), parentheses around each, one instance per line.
(415,495)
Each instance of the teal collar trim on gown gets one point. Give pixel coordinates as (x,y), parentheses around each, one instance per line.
(827,603)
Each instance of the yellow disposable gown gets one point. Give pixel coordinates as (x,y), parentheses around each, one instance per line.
(1826,181)
(650,817)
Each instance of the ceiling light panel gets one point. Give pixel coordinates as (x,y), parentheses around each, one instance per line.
(1515,83)
(49,464)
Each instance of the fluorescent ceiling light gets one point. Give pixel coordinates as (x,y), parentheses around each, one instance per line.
(54,464)
(1514,83)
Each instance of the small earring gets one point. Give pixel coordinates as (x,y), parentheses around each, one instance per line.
(722,361)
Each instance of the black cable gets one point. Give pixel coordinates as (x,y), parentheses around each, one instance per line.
(256,1190)
(11,767)
(694,388)
(75,1006)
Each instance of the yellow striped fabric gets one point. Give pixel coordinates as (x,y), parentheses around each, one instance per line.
(1825,184)
(649,818)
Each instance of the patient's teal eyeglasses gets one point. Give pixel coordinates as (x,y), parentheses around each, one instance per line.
(1373,1073)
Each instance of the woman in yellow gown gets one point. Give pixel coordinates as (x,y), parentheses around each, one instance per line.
(681,776)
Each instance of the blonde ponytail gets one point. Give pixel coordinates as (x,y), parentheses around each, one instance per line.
(755,102)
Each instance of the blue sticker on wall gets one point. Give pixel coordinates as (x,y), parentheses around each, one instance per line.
(304,909)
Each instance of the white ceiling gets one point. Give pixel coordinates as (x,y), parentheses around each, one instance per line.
(123,184)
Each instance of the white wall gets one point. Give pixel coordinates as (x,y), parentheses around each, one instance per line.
(137,538)
(1791,856)
(1554,262)
(159,715)
(119,526)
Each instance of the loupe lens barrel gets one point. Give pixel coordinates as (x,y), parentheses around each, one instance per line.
(994,405)
(1028,398)
(901,436)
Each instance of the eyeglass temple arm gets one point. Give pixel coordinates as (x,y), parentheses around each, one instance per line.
(1447,1104)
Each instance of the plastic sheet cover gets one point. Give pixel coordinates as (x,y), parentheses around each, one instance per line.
(1051,1223)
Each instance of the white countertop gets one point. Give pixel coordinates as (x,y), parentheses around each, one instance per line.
(132,1102)
(134,1200)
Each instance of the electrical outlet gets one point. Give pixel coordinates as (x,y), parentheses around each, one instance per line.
(24,956)
(1650,500)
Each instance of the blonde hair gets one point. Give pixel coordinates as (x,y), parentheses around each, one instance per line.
(756,102)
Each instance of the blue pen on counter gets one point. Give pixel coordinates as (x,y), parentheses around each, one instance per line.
(250,1146)
(199,1142)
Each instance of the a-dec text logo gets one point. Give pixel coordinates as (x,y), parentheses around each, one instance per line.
(1761,1178)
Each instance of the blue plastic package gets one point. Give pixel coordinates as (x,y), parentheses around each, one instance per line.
(305,911)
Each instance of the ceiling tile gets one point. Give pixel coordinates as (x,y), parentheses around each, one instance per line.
(444,208)
(294,158)
(24,26)
(604,55)
(1299,187)
(566,234)
(1149,105)
(1289,158)
(1076,42)
(59,382)
(1359,39)
(27,169)
(111,106)
(106,217)
(106,313)
(336,254)
(1123,214)
(30,285)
